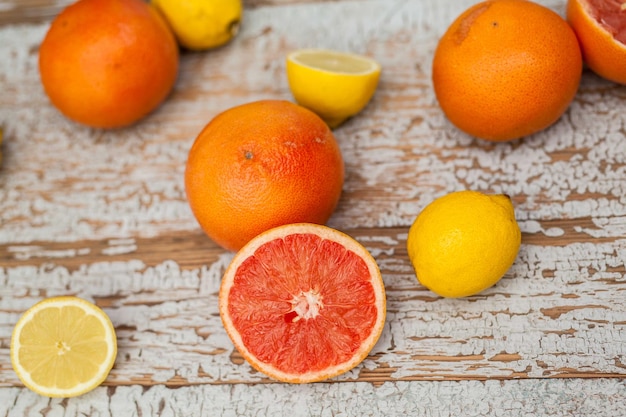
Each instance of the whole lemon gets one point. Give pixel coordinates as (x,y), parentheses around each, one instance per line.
(464,242)
(202,24)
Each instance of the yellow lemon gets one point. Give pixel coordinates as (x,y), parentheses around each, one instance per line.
(202,24)
(464,242)
(63,347)
(335,85)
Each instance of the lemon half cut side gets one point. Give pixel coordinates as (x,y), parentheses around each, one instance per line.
(335,85)
(63,347)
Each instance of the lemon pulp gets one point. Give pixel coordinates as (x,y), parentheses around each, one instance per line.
(63,347)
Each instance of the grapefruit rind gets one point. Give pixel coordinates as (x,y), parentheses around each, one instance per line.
(602,52)
(325,233)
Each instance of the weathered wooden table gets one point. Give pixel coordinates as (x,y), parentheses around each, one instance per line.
(102,215)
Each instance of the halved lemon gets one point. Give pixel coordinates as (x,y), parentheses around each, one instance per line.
(335,85)
(63,347)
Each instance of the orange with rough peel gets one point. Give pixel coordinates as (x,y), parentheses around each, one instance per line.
(505,69)
(261,165)
(303,302)
(108,63)
(600,26)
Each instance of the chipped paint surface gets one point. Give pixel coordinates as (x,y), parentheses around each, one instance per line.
(440,399)
(102,215)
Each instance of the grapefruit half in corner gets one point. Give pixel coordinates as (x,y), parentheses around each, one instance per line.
(303,302)
(600,26)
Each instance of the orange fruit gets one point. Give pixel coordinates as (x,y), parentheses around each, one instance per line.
(108,63)
(505,69)
(303,302)
(599,26)
(261,165)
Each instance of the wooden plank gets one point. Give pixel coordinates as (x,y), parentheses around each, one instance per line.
(550,398)
(544,319)
(102,214)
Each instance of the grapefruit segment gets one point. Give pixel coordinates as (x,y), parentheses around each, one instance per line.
(610,15)
(303,302)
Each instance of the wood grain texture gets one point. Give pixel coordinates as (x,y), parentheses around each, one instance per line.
(550,398)
(102,215)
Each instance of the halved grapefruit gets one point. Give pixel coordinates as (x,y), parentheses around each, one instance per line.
(303,302)
(600,26)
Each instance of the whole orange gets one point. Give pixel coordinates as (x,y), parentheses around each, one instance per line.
(108,63)
(260,165)
(599,26)
(505,69)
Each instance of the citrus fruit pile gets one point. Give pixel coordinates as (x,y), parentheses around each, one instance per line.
(301,301)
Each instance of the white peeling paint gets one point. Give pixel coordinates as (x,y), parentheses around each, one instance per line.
(82,209)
